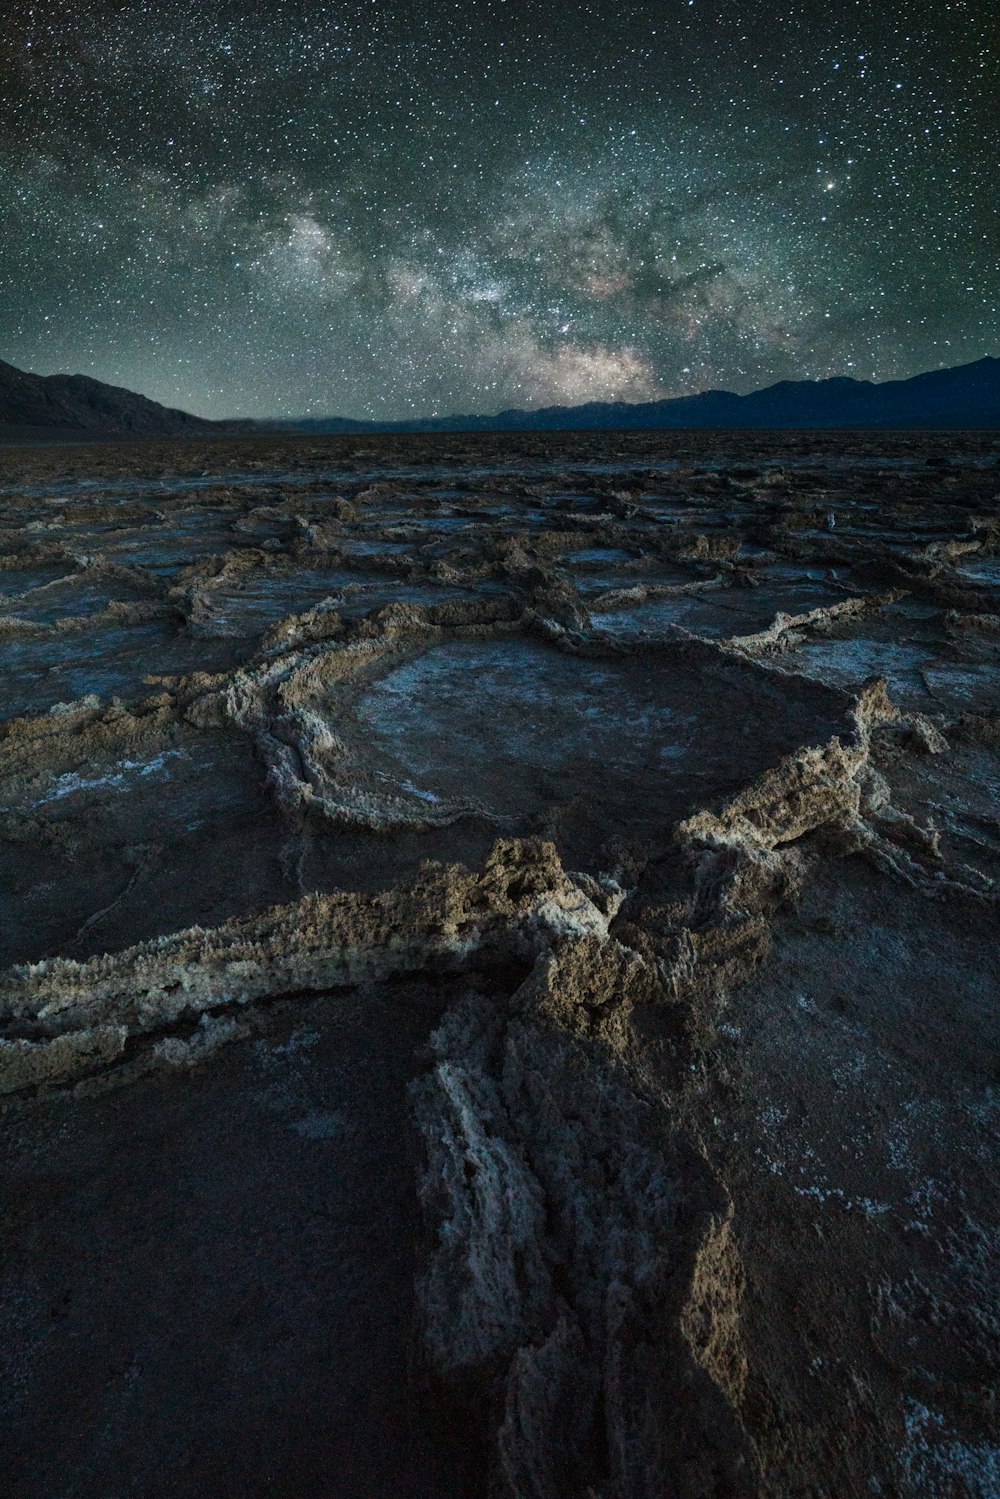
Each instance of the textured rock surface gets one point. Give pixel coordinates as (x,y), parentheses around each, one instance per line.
(500,978)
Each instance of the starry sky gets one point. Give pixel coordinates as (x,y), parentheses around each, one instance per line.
(393,209)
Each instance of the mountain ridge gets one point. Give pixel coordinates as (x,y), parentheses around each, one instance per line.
(963,396)
(79,406)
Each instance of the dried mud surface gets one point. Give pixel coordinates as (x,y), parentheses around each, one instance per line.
(499,979)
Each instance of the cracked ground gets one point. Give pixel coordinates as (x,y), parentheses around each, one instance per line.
(499,967)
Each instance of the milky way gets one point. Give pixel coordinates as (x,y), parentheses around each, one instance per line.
(386,210)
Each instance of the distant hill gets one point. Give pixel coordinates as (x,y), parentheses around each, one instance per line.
(40,406)
(966,396)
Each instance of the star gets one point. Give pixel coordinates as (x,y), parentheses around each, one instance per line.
(374,212)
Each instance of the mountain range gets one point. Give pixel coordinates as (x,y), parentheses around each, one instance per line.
(966,396)
(67,406)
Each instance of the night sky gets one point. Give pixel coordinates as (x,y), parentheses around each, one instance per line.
(382,210)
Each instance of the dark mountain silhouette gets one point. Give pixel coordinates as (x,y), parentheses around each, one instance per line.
(45,406)
(966,396)
(40,406)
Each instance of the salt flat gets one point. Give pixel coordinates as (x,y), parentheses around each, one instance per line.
(499,988)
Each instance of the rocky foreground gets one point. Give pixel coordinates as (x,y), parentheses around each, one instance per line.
(501,973)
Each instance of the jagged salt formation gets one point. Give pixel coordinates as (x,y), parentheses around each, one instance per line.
(787,630)
(836,789)
(314,770)
(60,1017)
(582,1283)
